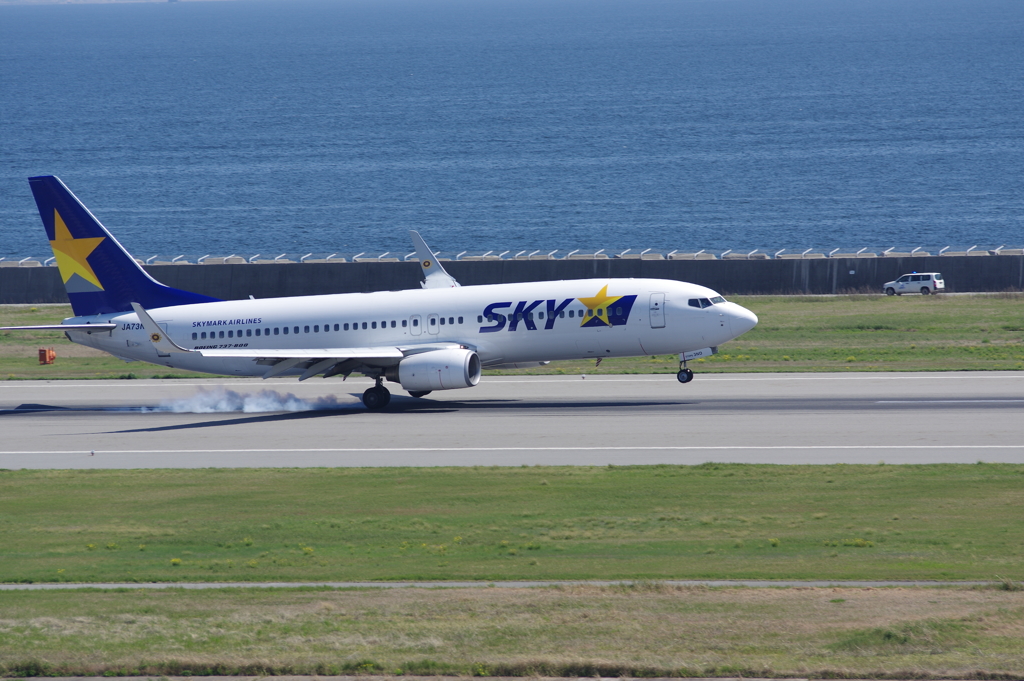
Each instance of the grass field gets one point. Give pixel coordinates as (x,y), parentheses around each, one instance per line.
(714,521)
(821,333)
(645,629)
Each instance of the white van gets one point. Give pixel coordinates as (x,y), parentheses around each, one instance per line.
(923,283)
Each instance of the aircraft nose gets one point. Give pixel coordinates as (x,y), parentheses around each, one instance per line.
(741,320)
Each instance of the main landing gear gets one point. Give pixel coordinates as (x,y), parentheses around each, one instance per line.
(685,374)
(377,397)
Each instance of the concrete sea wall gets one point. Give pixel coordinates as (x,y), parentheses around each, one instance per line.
(813,276)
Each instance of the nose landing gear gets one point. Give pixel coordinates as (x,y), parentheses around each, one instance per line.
(377,397)
(685,374)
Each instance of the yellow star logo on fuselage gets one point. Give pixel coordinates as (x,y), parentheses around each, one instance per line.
(599,304)
(72,254)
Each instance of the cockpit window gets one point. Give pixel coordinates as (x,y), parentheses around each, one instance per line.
(693,302)
(718,299)
(703,302)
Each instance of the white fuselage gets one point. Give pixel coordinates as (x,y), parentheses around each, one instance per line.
(503,323)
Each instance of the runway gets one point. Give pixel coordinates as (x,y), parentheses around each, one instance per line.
(955,417)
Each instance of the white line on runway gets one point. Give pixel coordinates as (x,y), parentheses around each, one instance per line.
(511,449)
(941,401)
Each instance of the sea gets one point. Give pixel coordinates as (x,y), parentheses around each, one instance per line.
(295,127)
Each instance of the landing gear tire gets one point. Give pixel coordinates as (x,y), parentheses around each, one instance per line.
(376,397)
(925,290)
(890,291)
(419,393)
(685,375)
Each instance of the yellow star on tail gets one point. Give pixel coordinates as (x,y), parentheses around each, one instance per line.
(600,302)
(72,254)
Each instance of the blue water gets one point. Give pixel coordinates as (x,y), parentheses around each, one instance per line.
(334,126)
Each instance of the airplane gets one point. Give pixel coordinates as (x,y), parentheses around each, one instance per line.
(438,337)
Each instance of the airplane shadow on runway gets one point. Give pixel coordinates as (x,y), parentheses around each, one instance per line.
(399,405)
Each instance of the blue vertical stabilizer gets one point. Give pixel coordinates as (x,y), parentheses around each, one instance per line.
(98,274)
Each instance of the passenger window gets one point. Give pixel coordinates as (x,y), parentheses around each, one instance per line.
(295,329)
(600,312)
(393,324)
(231,334)
(285,330)
(415,322)
(442,321)
(618,312)
(204,335)
(460,320)
(364,326)
(590,313)
(316,328)
(373,325)
(305,329)
(266,332)
(337,327)
(433,321)
(275,330)
(248,333)
(480,319)
(451,320)
(490,318)
(561,315)
(257,332)
(195,336)
(405,323)
(221,334)
(571,314)
(238,333)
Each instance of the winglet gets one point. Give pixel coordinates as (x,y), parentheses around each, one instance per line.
(164,345)
(434,275)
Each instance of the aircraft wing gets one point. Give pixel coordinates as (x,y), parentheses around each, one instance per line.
(314,360)
(305,353)
(319,360)
(379,352)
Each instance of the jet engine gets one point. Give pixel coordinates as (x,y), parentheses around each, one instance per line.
(437,370)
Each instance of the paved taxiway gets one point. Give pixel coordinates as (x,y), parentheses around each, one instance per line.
(557,420)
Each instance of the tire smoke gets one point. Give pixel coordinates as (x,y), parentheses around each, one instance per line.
(209,401)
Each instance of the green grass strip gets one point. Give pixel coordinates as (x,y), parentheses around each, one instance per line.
(713,521)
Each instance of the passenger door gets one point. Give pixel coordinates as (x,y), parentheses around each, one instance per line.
(657,311)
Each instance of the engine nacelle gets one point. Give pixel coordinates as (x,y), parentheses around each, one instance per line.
(437,370)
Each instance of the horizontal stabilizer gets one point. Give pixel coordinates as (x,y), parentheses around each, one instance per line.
(62,327)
